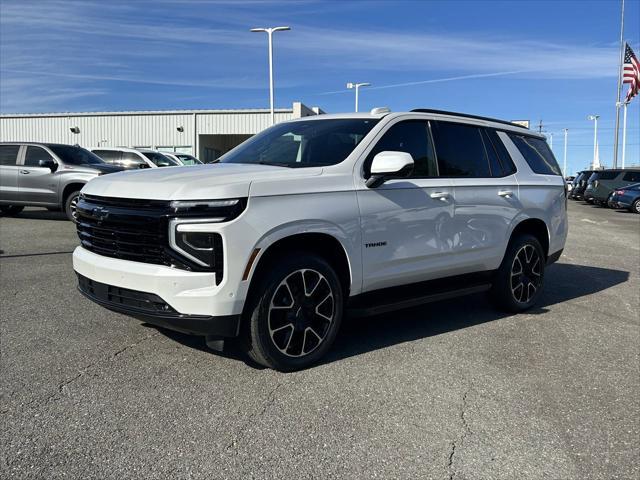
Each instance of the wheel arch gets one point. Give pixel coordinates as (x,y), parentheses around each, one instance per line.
(536,227)
(68,189)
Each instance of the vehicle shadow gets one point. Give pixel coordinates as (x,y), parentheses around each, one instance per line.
(361,335)
(42,214)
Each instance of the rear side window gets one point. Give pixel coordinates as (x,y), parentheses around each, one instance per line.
(34,155)
(605,175)
(109,156)
(132,157)
(631,177)
(412,137)
(508,167)
(460,150)
(537,154)
(9,154)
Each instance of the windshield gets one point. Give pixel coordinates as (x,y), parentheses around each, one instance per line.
(75,155)
(312,143)
(188,159)
(160,160)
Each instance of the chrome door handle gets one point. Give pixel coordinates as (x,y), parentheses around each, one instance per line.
(24,172)
(441,195)
(505,193)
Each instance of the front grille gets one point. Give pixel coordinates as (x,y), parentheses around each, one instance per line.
(135,230)
(124,297)
(124,229)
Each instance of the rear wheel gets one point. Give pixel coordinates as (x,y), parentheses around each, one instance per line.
(10,210)
(295,313)
(635,206)
(71,204)
(519,279)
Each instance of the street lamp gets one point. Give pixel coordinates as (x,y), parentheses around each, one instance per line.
(269,32)
(595,164)
(357,87)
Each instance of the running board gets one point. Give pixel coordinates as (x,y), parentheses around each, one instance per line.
(373,309)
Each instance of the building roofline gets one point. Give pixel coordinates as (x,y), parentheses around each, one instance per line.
(146,112)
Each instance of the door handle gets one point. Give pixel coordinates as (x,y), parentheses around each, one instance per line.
(24,172)
(505,193)
(441,195)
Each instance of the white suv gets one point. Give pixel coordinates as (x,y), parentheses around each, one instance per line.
(316,217)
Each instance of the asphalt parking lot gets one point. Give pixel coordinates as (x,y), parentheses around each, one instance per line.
(454,390)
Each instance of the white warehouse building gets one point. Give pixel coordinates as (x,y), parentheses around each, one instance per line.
(206,134)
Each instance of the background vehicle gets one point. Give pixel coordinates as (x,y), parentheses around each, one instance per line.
(581,184)
(183,158)
(626,197)
(309,218)
(602,183)
(45,175)
(131,158)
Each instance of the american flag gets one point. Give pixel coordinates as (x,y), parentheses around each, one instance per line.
(631,73)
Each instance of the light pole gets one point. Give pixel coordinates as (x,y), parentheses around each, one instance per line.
(595,140)
(357,88)
(269,32)
(551,141)
(564,163)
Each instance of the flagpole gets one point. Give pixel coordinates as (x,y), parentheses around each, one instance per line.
(615,141)
(624,132)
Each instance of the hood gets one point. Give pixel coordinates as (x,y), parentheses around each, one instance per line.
(218,180)
(104,167)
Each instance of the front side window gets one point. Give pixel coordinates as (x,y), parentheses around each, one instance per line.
(108,156)
(75,155)
(412,137)
(312,143)
(460,150)
(34,155)
(9,154)
(537,154)
(131,157)
(631,177)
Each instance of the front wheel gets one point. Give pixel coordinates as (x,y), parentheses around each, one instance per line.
(70,206)
(295,313)
(519,279)
(635,207)
(10,210)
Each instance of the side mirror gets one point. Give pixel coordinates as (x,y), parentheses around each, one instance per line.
(49,163)
(387,165)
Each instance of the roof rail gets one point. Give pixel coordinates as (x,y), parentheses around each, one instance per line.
(466,115)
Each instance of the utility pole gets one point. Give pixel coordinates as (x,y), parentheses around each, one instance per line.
(564,163)
(551,141)
(270,32)
(615,141)
(357,86)
(540,126)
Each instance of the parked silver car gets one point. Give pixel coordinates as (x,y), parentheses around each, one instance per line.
(46,175)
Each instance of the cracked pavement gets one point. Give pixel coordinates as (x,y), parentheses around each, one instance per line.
(453,390)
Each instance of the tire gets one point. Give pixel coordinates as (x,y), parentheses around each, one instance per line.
(70,205)
(294,313)
(635,206)
(515,292)
(10,210)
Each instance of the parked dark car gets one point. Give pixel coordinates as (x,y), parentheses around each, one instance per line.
(627,197)
(580,184)
(603,183)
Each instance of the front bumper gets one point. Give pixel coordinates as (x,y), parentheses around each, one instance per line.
(152,309)
(194,303)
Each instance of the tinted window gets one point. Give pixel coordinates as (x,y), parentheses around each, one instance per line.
(75,155)
(34,155)
(160,160)
(9,154)
(605,175)
(411,137)
(537,154)
(460,150)
(131,157)
(631,177)
(298,144)
(109,156)
(188,159)
(508,167)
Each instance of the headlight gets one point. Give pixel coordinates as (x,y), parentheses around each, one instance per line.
(213,210)
(204,248)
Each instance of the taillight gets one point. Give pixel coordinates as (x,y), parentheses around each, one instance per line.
(619,192)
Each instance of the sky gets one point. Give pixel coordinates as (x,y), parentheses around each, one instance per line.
(552,61)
